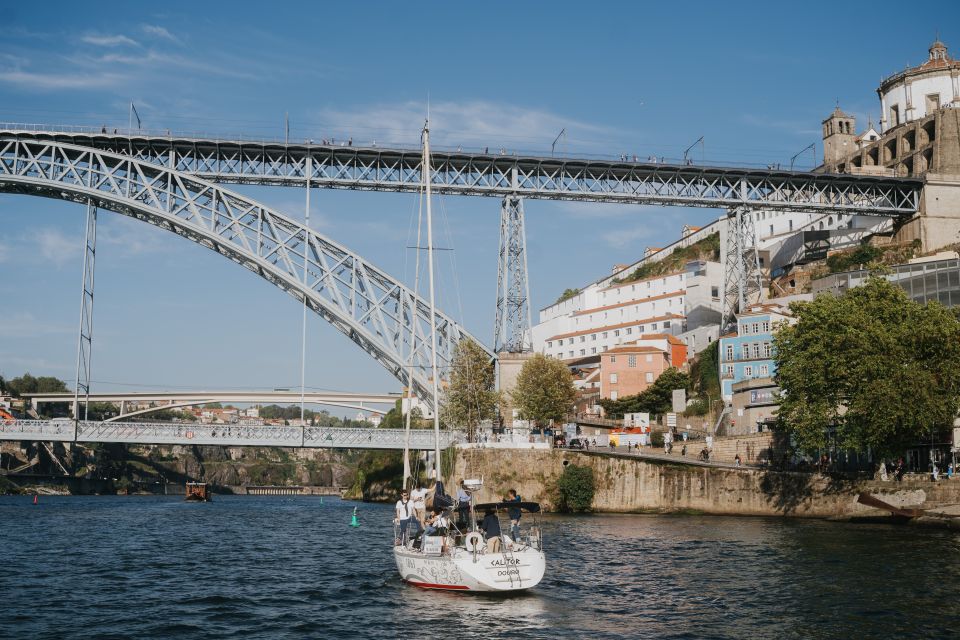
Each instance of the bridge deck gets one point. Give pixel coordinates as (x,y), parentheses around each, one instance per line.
(224,435)
(496,174)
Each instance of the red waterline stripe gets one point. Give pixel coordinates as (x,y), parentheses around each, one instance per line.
(428,585)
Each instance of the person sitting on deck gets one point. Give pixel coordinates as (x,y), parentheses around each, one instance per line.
(491,531)
(438,524)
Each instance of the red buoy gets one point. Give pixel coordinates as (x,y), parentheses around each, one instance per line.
(35,496)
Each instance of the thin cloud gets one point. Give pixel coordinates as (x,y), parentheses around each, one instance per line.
(160,32)
(164,60)
(623,237)
(55,246)
(110,41)
(23,324)
(54,81)
(471,124)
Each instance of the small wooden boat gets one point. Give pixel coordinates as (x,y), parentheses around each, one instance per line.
(198,492)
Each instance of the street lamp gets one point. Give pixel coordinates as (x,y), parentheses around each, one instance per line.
(553,145)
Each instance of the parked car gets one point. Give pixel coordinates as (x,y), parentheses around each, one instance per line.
(577,443)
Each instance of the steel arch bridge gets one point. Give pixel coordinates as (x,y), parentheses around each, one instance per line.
(377,312)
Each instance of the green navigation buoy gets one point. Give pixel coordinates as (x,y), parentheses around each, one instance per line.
(353,521)
(321,499)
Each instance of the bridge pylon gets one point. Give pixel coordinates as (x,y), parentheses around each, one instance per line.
(85,338)
(742,283)
(513,331)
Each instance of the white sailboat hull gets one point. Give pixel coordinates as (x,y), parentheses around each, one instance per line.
(462,570)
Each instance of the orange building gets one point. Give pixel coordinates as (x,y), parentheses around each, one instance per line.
(629,369)
(665,342)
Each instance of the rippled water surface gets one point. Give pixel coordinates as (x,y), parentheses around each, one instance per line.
(284,567)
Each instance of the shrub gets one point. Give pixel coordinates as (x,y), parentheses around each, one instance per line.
(575,488)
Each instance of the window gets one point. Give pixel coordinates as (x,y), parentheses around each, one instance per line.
(604,334)
(771,229)
(613,378)
(613,395)
(605,347)
(766,349)
(746,351)
(730,370)
(653,327)
(666,324)
(583,338)
(616,332)
(729,352)
(593,349)
(748,371)
(791,225)
(756,351)
(632,361)
(612,358)
(549,344)
(649,357)
(593,336)
(571,354)
(894,115)
(933,102)
(649,377)
(766,327)
(583,352)
(744,328)
(569,340)
(714,292)
(629,330)
(764,371)
(756,327)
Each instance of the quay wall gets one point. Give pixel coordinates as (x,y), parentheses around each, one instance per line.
(628,485)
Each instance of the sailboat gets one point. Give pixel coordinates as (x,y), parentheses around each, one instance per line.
(457,556)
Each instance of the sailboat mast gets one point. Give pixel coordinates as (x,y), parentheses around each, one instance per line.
(433,306)
(413,348)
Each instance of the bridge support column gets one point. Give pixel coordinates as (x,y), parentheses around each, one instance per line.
(85,339)
(513,331)
(742,279)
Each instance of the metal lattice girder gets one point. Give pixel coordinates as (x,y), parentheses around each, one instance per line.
(742,284)
(223,435)
(374,310)
(380,169)
(513,330)
(85,338)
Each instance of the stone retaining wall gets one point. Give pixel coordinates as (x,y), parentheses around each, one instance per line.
(625,484)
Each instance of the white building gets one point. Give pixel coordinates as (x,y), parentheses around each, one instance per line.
(919,91)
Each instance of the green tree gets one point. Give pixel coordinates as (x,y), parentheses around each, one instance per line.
(575,488)
(544,390)
(874,367)
(567,294)
(42,384)
(471,397)
(657,399)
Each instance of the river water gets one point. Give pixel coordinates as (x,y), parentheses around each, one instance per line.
(292,567)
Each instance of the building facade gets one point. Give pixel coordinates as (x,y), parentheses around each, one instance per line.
(631,369)
(748,353)
(923,280)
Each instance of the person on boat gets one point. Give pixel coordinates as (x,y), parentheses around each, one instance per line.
(438,524)
(491,531)
(419,498)
(404,513)
(463,505)
(514,513)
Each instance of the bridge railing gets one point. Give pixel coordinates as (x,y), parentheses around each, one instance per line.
(223,435)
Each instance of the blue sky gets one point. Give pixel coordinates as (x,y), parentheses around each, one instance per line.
(754,79)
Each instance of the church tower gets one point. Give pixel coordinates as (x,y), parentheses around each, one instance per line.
(839,134)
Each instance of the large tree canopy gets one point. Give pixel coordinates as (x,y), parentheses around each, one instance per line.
(880,369)
(657,399)
(544,389)
(471,397)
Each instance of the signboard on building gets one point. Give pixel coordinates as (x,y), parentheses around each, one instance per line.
(679,400)
(671,420)
(764,396)
(635,420)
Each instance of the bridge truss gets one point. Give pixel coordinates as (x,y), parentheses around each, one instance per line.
(501,175)
(147,433)
(376,311)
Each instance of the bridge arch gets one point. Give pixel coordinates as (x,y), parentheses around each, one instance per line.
(376,311)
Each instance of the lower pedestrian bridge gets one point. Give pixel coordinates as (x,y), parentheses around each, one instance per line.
(153,433)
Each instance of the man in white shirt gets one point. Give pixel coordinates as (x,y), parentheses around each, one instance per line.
(404,512)
(419,498)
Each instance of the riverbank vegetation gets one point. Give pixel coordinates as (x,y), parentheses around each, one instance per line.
(471,396)
(544,390)
(871,369)
(575,489)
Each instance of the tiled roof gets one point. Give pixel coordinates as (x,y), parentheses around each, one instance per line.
(633,323)
(661,336)
(634,349)
(662,296)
